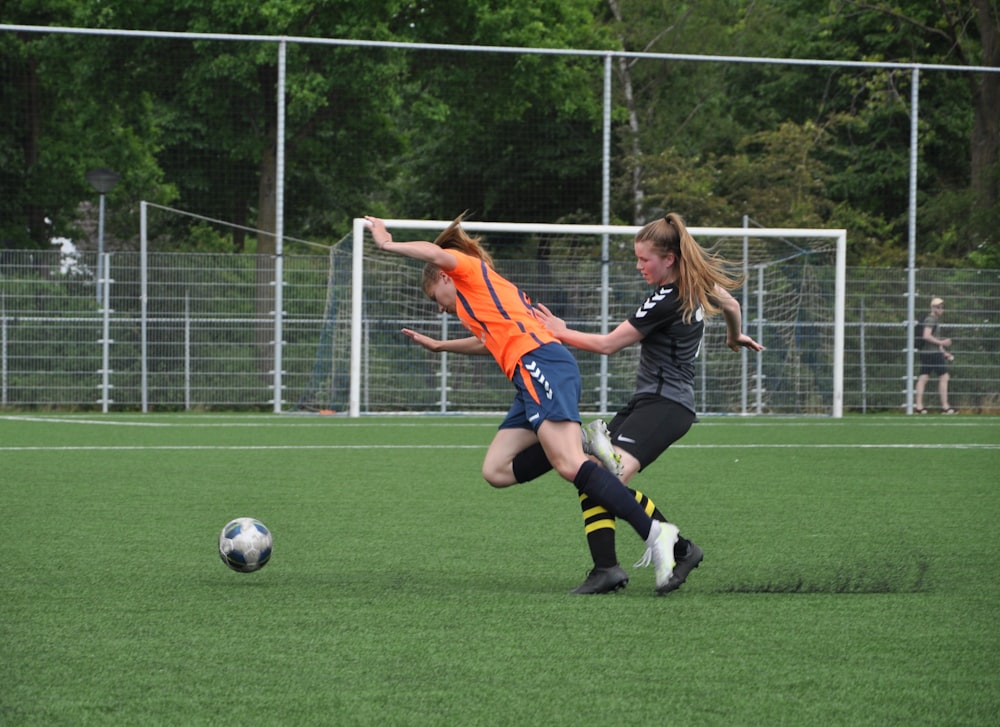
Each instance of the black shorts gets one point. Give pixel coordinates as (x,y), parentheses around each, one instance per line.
(933,363)
(647,425)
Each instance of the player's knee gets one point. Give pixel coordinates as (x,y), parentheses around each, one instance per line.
(567,467)
(498,477)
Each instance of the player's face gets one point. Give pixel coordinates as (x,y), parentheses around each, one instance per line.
(655,268)
(442,292)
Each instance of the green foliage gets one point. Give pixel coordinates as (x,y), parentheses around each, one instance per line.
(776,174)
(510,136)
(680,182)
(798,144)
(202,237)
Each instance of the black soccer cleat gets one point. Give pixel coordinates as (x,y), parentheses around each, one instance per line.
(685,564)
(603,580)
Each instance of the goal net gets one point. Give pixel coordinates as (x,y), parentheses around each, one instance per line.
(793,303)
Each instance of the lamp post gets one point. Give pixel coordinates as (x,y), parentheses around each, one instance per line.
(103,180)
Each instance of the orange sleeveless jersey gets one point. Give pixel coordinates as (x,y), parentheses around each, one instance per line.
(496,312)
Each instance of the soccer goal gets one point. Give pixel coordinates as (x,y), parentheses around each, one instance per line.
(793,303)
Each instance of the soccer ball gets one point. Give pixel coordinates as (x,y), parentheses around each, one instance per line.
(245,544)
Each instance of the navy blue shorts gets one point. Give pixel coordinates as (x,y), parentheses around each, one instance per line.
(548,388)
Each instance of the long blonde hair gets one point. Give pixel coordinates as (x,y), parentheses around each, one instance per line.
(455,238)
(698,270)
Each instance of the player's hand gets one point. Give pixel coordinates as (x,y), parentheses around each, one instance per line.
(380,234)
(555,324)
(743,341)
(431,344)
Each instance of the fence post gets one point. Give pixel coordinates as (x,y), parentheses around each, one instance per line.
(187,350)
(605,220)
(279,227)
(104,284)
(744,354)
(144,304)
(861,356)
(760,337)
(3,349)
(912,234)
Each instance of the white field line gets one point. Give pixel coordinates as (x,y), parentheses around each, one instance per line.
(270,420)
(220,423)
(204,447)
(212,447)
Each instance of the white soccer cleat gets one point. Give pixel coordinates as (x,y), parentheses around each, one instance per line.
(597,441)
(660,552)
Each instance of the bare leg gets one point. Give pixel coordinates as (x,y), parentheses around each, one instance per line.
(630,465)
(921,385)
(943,391)
(563,446)
(497,466)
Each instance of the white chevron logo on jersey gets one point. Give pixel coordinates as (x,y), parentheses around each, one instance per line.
(651,301)
(538,376)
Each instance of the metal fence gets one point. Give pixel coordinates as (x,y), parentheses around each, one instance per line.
(213,334)
(587,192)
(211,340)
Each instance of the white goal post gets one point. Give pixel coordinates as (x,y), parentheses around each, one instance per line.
(832,399)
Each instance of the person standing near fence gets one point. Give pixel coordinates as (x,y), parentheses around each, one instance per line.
(688,285)
(934,358)
(459,276)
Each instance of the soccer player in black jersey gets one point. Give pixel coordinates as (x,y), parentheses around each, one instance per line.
(689,284)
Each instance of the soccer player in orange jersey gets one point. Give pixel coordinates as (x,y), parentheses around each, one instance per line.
(460,278)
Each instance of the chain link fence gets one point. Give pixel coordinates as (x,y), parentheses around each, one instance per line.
(210,342)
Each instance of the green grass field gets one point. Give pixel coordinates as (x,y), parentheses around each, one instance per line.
(849,577)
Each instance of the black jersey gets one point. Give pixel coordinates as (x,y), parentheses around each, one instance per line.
(669,347)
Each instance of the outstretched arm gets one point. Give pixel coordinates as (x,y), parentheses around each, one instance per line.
(607,343)
(735,338)
(470,345)
(418,250)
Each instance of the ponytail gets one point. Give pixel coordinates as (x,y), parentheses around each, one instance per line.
(455,238)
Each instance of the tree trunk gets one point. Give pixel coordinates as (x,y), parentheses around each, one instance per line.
(28,80)
(986,120)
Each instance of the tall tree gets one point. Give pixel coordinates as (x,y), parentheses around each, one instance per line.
(508,136)
(969,33)
(216,101)
(217,104)
(57,121)
(850,127)
(959,165)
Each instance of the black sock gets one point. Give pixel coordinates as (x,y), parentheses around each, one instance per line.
(599,526)
(530,463)
(608,491)
(648,505)
(600,529)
